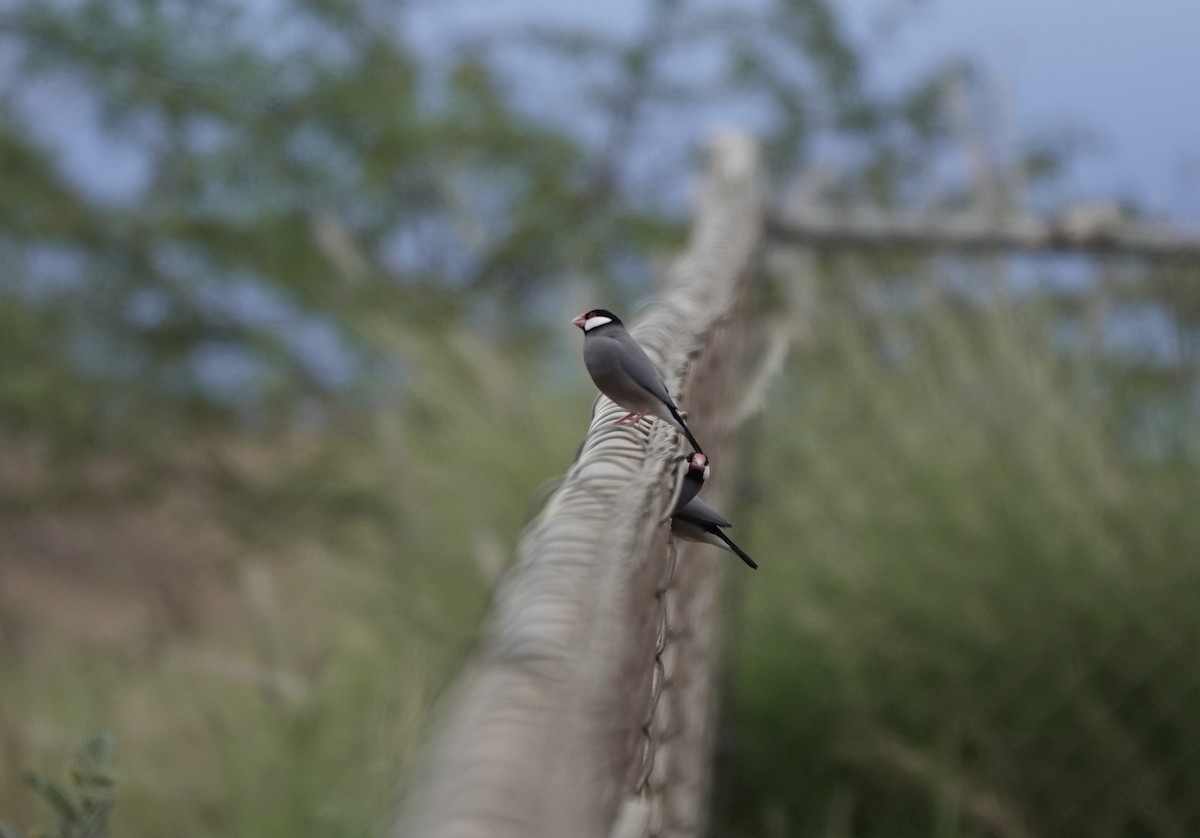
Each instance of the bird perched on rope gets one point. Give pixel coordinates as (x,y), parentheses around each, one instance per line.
(623,372)
(694,520)
(696,471)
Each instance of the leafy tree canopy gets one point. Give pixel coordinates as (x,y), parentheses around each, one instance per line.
(308,177)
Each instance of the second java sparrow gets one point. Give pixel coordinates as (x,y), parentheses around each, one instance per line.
(698,470)
(623,372)
(694,520)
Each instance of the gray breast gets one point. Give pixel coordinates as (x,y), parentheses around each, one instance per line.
(608,363)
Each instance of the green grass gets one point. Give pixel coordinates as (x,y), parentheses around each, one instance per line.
(981,612)
(358,568)
(976,613)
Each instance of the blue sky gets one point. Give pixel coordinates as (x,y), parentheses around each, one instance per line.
(1127,72)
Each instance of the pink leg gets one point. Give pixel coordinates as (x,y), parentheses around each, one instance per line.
(630,419)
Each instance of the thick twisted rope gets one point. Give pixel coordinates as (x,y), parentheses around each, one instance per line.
(587,710)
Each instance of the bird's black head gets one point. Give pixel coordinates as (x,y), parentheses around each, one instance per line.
(698,467)
(596,318)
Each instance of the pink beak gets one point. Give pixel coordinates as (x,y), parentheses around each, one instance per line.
(580,320)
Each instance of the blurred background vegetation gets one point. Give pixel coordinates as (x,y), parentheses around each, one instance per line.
(283,358)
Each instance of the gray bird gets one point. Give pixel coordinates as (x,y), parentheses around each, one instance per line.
(698,470)
(695,520)
(623,372)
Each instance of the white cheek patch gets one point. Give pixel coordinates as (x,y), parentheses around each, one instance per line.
(707,472)
(593,322)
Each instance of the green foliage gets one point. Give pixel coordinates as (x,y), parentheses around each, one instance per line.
(313,184)
(982,607)
(359,566)
(305,173)
(83,803)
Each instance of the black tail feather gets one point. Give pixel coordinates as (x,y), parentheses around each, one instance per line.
(740,552)
(683,425)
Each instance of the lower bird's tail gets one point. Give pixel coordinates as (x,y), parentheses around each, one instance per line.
(740,552)
(679,423)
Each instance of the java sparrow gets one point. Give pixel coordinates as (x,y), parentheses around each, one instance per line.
(698,470)
(623,372)
(694,520)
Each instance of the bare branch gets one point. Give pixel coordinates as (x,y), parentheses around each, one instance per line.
(1091,228)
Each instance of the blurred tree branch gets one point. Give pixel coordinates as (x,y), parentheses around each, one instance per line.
(1094,228)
